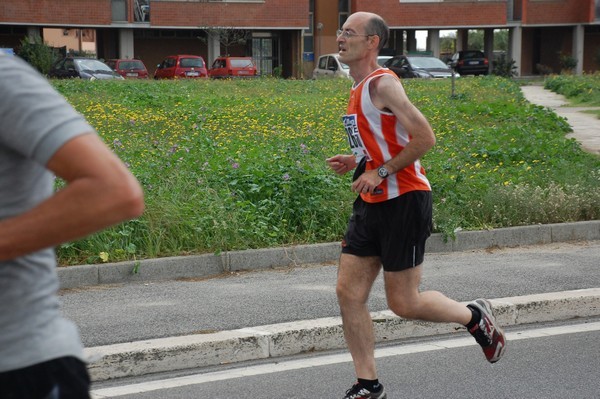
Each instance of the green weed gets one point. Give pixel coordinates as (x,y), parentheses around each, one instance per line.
(229,165)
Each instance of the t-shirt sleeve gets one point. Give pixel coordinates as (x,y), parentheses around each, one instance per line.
(35,120)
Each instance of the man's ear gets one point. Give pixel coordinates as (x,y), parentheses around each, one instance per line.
(374,41)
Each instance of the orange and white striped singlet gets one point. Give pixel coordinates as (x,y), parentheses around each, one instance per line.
(379,136)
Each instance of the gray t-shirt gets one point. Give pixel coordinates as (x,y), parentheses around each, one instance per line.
(35,121)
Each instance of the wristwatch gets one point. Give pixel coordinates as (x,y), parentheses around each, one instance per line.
(383,172)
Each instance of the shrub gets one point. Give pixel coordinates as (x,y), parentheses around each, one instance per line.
(544,69)
(37,53)
(504,67)
(581,89)
(567,62)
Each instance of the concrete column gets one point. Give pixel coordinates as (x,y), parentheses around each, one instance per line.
(488,47)
(578,39)
(411,40)
(126,49)
(433,42)
(397,41)
(214,48)
(515,47)
(462,39)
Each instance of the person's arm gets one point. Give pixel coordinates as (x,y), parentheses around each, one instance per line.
(388,94)
(341,164)
(100,192)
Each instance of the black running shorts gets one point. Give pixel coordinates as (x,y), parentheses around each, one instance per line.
(61,378)
(394,230)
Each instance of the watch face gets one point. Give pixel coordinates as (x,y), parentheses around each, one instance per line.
(382,172)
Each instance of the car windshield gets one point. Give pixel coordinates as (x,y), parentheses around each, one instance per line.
(473,54)
(426,62)
(382,59)
(131,65)
(241,63)
(191,63)
(92,65)
(344,66)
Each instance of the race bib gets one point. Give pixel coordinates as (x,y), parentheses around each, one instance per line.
(356,144)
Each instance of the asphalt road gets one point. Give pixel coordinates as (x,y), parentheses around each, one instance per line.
(137,311)
(551,361)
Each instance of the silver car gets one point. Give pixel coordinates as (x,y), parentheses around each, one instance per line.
(329,66)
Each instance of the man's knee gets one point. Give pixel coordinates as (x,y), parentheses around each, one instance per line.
(403,308)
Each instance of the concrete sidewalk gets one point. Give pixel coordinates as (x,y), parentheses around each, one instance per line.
(586,126)
(211,265)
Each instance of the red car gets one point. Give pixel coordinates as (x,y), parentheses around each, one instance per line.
(229,67)
(181,66)
(129,69)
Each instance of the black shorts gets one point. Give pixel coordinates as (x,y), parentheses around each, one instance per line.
(62,378)
(394,230)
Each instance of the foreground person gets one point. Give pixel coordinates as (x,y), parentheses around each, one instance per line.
(392,217)
(41,135)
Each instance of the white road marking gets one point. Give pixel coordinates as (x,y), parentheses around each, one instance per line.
(270,368)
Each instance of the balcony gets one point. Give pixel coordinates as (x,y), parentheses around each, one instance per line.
(140,9)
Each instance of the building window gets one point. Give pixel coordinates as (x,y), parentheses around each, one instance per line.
(308,35)
(343,12)
(119,10)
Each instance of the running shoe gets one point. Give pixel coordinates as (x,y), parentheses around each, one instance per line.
(358,392)
(487,333)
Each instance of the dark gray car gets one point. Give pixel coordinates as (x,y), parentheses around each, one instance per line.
(418,66)
(82,67)
(470,62)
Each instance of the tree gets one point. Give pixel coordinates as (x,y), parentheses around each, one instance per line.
(227,37)
(448,43)
(475,40)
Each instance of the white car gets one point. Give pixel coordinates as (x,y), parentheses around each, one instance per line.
(329,66)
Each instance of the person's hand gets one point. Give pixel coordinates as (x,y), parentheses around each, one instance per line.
(341,164)
(367,182)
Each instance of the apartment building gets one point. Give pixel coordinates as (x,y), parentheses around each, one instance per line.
(288,35)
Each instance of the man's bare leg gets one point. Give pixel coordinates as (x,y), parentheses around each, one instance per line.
(356,276)
(404,299)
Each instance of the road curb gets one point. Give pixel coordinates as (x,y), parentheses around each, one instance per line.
(276,340)
(210,265)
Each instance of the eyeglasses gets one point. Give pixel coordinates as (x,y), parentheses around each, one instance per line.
(346,34)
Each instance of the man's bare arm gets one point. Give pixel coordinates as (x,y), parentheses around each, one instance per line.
(100,192)
(389,94)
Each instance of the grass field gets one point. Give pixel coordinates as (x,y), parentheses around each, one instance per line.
(229,165)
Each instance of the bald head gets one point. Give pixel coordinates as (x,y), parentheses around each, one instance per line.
(374,25)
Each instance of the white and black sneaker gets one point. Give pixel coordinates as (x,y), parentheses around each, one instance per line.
(358,392)
(487,333)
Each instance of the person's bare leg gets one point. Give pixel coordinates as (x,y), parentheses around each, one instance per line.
(355,279)
(404,299)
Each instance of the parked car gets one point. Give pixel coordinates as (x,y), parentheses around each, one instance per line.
(228,67)
(83,68)
(418,66)
(329,66)
(469,62)
(381,59)
(181,66)
(132,69)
